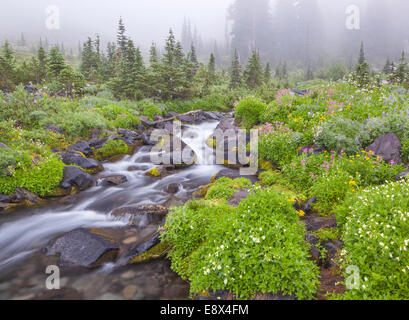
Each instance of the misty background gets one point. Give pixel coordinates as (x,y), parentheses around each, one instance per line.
(305,32)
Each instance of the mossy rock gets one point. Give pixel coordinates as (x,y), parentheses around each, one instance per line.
(158,251)
(153,173)
(265,165)
(58,192)
(211,143)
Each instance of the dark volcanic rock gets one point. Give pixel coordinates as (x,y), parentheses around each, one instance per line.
(226,124)
(238,197)
(145,246)
(5,198)
(141,215)
(75,177)
(314,223)
(173,151)
(128,136)
(74,158)
(21,195)
(233,174)
(113,180)
(310,204)
(83,147)
(388,146)
(84,248)
(3,206)
(172,188)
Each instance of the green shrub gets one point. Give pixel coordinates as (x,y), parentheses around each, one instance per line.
(225,188)
(277,143)
(40,178)
(257,248)
(112,148)
(375,226)
(340,134)
(150,110)
(249,111)
(7,159)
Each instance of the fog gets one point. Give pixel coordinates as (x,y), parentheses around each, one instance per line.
(305,31)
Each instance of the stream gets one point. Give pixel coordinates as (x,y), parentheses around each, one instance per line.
(24,232)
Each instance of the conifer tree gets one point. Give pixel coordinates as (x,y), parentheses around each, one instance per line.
(235,76)
(267,72)
(7,68)
(400,75)
(193,58)
(122,40)
(212,68)
(362,69)
(55,63)
(387,69)
(254,71)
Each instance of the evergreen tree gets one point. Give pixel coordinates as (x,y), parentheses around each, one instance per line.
(387,69)
(193,58)
(362,71)
(7,68)
(90,60)
(309,74)
(212,69)
(235,77)
(400,75)
(153,54)
(254,71)
(122,40)
(267,72)
(55,63)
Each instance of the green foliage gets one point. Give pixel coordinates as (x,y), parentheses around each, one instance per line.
(375,231)
(249,111)
(7,159)
(112,148)
(150,110)
(257,248)
(340,134)
(225,188)
(40,178)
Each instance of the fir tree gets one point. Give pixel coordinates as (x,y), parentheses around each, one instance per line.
(7,68)
(122,40)
(267,72)
(55,63)
(212,69)
(153,54)
(400,75)
(254,71)
(235,76)
(362,69)
(387,69)
(193,58)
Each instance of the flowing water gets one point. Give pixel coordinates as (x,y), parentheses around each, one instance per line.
(24,232)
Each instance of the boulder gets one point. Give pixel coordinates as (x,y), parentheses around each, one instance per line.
(226,124)
(141,214)
(128,136)
(238,197)
(84,248)
(310,204)
(192,117)
(315,223)
(21,195)
(3,206)
(74,158)
(83,147)
(144,246)
(172,188)
(232,174)
(113,180)
(388,146)
(5,198)
(146,138)
(175,152)
(75,177)
(213,115)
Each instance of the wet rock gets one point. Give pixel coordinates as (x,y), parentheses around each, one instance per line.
(3,206)
(75,177)
(132,168)
(54,129)
(315,223)
(192,117)
(142,214)
(128,136)
(232,174)
(129,291)
(21,195)
(387,146)
(158,172)
(143,247)
(5,198)
(146,138)
(311,239)
(113,180)
(238,197)
(226,124)
(315,255)
(213,115)
(83,147)
(309,205)
(175,152)
(84,248)
(172,188)
(74,158)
